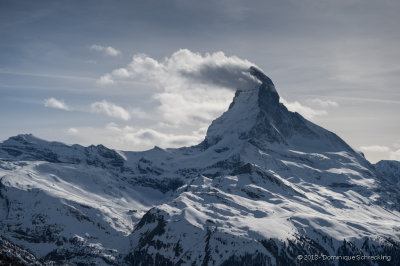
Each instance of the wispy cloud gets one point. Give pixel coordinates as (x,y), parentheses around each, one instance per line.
(302,109)
(126,137)
(323,102)
(375,148)
(110,109)
(58,104)
(148,137)
(384,152)
(105,107)
(51,76)
(107,50)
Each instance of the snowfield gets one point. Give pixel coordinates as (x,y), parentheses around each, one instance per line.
(265,186)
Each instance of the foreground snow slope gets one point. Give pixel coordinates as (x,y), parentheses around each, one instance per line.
(264,186)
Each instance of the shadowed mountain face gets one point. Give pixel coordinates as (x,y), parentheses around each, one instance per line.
(10,254)
(264,186)
(256,115)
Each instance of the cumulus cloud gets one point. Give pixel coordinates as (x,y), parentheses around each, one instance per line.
(106,79)
(106,50)
(323,102)
(304,110)
(110,109)
(58,104)
(72,131)
(139,113)
(191,88)
(184,66)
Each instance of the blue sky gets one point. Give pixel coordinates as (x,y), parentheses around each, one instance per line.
(107,72)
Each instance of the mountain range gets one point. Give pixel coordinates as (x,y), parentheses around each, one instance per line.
(265,187)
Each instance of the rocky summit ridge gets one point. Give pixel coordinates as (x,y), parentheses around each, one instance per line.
(265,186)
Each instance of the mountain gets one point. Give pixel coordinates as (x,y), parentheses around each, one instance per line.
(390,170)
(11,254)
(265,186)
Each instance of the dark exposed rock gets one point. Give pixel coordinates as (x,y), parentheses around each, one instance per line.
(14,255)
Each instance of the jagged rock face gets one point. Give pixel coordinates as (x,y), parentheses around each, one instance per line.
(390,171)
(11,254)
(265,186)
(256,115)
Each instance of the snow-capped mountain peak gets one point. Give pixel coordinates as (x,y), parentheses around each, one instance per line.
(256,115)
(264,186)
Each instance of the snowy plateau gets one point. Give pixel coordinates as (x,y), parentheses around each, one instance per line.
(265,187)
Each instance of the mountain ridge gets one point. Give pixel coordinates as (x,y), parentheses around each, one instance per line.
(265,186)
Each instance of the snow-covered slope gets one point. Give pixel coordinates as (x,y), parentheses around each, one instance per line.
(265,186)
(70,202)
(277,186)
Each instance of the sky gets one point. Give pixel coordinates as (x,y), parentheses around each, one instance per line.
(135,74)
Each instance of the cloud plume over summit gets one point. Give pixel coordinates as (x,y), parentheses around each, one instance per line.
(185,66)
(191,88)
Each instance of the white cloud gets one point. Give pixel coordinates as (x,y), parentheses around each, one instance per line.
(126,137)
(110,109)
(106,79)
(148,137)
(106,50)
(382,152)
(121,73)
(72,131)
(184,66)
(304,110)
(139,113)
(192,88)
(58,104)
(324,103)
(375,148)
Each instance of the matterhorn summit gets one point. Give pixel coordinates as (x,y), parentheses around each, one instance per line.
(257,115)
(265,187)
